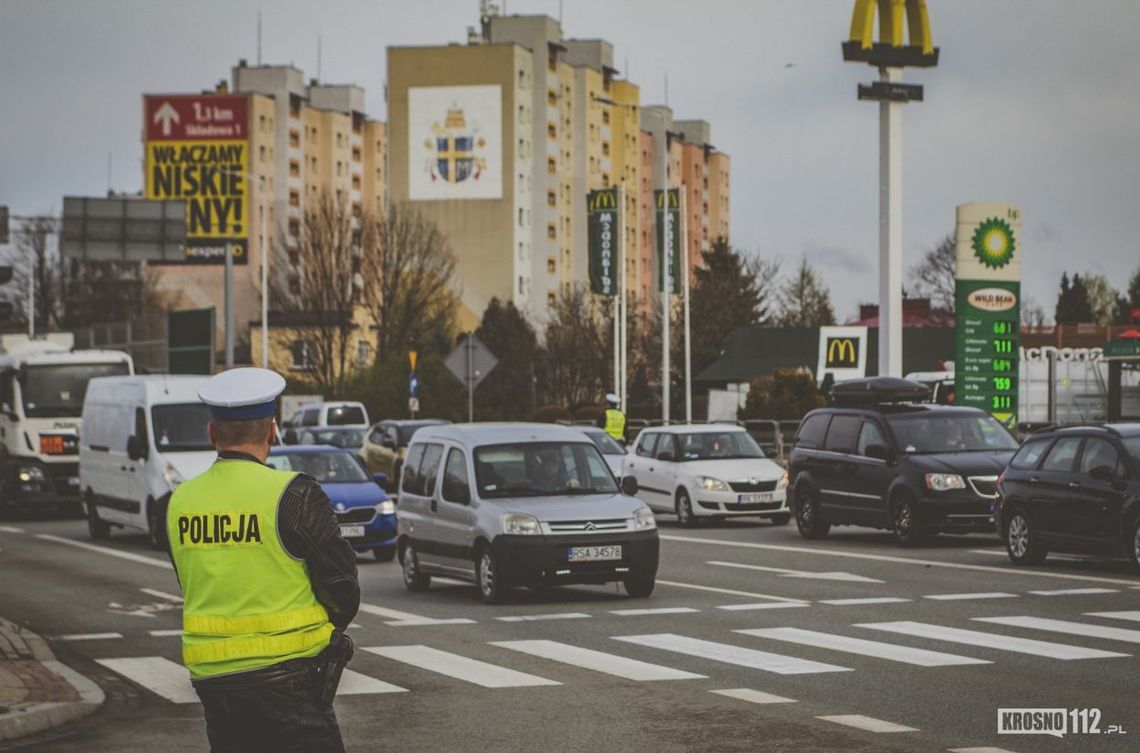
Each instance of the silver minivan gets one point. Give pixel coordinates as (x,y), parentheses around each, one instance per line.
(506,505)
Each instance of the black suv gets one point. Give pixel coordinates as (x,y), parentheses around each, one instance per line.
(912,468)
(1074,490)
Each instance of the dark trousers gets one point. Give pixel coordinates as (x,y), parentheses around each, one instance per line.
(280,716)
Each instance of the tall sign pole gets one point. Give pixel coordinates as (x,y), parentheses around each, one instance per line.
(890,55)
(604,228)
(665,241)
(624,299)
(687,261)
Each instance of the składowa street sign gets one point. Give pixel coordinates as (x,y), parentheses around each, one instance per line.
(197,151)
(669,238)
(603,233)
(988,308)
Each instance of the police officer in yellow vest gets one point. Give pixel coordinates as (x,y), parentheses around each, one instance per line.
(269,584)
(613,420)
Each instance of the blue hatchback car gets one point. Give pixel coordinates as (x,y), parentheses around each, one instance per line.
(366,514)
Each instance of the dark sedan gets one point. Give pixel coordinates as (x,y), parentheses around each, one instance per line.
(1073,490)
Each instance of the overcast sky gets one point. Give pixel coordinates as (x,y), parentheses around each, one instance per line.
(1035,102)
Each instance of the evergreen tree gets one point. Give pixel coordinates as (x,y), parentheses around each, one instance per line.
(508,392)
(804,299)
(1073,306)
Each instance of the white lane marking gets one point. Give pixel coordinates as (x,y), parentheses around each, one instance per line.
(162,595)
(658,610)
(990,640)
(1133,615)
(1076,591)
(729,591)
(752,696)
(354,683)
(108,551)
(405,619)
(967,597)
(157,674)
(630,669)
(728,654)
(786,573)
(991,552)
(870,600)
(867,723)
(890,558)
(890,651)
(1065,626)
(459,667)
(164,633)
(1003,553)
(542,617)
(773,605)
(11,529)
(980,750)
(88,636)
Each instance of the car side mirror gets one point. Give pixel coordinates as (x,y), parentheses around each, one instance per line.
(1102,473)
(629,486)
(381,480)
(877,451)
(667,456)
(134,448)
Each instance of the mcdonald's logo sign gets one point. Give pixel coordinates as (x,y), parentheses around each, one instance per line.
(889,50)
(842,353)
(674,198)
(600,201)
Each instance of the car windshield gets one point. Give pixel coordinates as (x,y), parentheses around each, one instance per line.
(345,415)
(718,445)
(923,433)
(541,469)
(181,427)
(407,430)
(58,390)
(1132,445)
(331,467)
(604,442)
(346,438)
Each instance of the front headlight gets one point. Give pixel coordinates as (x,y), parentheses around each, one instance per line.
(643,519)
(517,524)
(172,476)
(710,484)
(783,482)
(387,507)
(944,482)
(32,473)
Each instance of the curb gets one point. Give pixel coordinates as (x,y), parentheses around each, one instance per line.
(29,718)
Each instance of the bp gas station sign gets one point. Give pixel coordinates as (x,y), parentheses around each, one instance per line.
(988,308)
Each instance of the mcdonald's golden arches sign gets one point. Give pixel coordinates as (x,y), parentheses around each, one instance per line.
(842,353)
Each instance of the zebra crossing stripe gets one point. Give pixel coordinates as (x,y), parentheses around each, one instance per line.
(1076,591)
(867,723)
(990,640)
(630,669)
(1065,626)
(459,667)
(752,696)
(1133,615)
(354,683)
(966,597)
(869,600)
(729,654)
(396,618)
(905,654)
(157,674)
(980,750)
(543,617)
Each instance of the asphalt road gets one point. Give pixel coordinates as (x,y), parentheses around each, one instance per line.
(754,640)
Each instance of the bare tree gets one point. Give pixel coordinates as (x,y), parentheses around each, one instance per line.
(805,300)
(320,284)
(576,351)
(1032,313)
(413,304)
(934,276)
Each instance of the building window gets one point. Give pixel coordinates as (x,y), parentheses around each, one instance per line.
(551,265)
(551,97)
(521,218)
(551,165)
(294,197)
(339,167)
(313,164)
(363,352)
(304,355)
(551,230)
(552,130)
(294,169)
(606,148)
(357,211)
(356,182)
(551,299)
(356,154)
(606,180)
(551,198)
(294,228)
(606,117)
(294,138)
(552,61)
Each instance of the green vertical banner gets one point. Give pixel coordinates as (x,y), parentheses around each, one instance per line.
(603,233)
(987,302)
(669,238)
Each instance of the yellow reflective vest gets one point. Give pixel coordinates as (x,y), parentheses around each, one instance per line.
(615,424)
(248,602)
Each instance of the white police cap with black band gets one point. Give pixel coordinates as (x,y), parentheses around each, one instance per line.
(242,394)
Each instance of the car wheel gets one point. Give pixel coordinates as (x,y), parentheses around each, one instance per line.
(414,580)
(155,525)
(488,577)
(384,553)
(1021,541)
(781,519)
(1135,547)
(96,526)
(684,509)
(808,517)
(905,523)
(639,589)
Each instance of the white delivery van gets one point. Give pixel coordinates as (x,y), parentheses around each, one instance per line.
(142,436)
(328,413)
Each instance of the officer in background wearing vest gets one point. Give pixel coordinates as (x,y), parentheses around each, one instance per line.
(613,420)
(269,584)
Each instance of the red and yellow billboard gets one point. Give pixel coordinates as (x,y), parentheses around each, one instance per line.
(197,150)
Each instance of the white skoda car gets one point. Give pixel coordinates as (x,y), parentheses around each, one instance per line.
(710,471)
